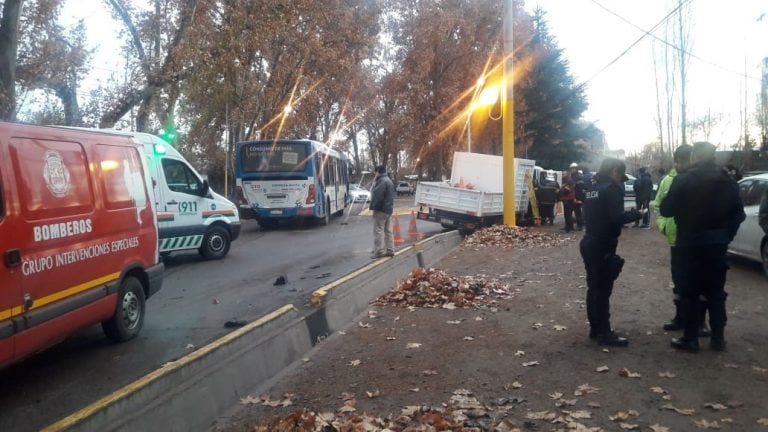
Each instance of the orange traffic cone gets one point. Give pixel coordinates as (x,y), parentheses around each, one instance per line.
(413,232)
(396,229)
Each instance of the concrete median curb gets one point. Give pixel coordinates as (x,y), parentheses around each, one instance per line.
(189,393)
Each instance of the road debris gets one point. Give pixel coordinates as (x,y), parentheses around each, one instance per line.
(513,237)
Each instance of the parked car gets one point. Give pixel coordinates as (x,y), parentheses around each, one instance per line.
(359,194)
(750,241)
(403,188)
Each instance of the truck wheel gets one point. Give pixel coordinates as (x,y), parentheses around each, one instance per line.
(128,319)
(215,243)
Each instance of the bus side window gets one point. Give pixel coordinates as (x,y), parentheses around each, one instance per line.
(326,172)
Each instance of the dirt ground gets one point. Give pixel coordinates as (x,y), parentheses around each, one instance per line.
(528,358)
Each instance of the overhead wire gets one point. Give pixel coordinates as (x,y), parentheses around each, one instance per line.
(666,42)
(633,44)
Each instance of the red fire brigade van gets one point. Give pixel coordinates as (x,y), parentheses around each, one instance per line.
(78,236)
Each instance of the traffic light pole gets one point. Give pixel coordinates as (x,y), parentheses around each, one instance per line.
(508,119)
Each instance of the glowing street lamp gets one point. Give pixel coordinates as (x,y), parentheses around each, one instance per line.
(487,97)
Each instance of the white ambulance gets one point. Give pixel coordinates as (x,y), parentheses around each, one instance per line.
(189,214)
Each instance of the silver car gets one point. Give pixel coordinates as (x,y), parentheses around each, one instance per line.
(750,241)
(359,194)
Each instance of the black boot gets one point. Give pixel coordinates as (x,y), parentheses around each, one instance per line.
(610,338)
(683,344)
(717,341)
(676,323)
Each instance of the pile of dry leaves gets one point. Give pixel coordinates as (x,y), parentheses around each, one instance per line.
(435,288)
(513,237)
(463,413)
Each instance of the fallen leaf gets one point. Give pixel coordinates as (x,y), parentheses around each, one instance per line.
(531,363)
(606,350)
(704,424)
(412,345)
(556,395)
(453,322)
(519,353)
(372,394)
(364,325)
(623,415)
(189,346)
(626,373)
(372,314)
(581,414)
(429,372)
(715,406)
(759,369)
(559,327)
(517,385)
(391,338)
(686,412)
(342,332)
(593,405)
(658,390)
(585,389)
(478,318)
(629,426)
(602,369)
(667,375)
(658,428)
(762,421)
(540,415)
(726,420)
(565,402)
(348,407)
(410,410)
(354,363)
(537,326)
(250,400)
(468,338)
(415,389)
(731,366)
(397,318)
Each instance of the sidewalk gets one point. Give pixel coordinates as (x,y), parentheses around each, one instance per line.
(525,362)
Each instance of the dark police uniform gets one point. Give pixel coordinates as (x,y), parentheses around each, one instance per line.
(707,209)
(604,217)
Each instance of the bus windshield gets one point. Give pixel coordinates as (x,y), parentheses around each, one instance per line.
(266,157)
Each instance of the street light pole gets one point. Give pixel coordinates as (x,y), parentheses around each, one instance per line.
(508,119)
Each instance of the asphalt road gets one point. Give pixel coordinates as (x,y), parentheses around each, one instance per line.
(197,299)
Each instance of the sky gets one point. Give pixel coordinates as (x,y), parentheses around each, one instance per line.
(622,98)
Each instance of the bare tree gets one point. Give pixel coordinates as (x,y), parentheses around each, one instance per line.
(683,56)
(9,45)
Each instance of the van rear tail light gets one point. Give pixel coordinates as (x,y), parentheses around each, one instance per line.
(311,194)
(240,196)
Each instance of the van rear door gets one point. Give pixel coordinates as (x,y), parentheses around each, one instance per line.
(182,202)
(10,289)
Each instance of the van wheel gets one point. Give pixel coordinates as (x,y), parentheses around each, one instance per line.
(215,243)
(128,319)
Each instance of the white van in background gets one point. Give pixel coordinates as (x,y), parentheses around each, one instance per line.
(189,214)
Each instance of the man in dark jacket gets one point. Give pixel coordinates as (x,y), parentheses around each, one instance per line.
(643,189)
(382,205)
(707,209)
(546,197)
(604,217)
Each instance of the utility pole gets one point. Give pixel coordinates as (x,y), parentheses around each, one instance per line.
(508,118)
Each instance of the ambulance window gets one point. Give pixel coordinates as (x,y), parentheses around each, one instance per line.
(121,177)
(54,176)
(180,177)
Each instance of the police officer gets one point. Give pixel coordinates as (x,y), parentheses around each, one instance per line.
(707,209)
(605,215)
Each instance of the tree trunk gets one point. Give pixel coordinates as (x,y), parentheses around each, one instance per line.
(68,96)
(682,55)
(9,44)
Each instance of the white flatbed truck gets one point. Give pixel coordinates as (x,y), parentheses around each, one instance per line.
(474,198)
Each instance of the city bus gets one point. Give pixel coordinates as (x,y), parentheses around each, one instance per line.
(290,179)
